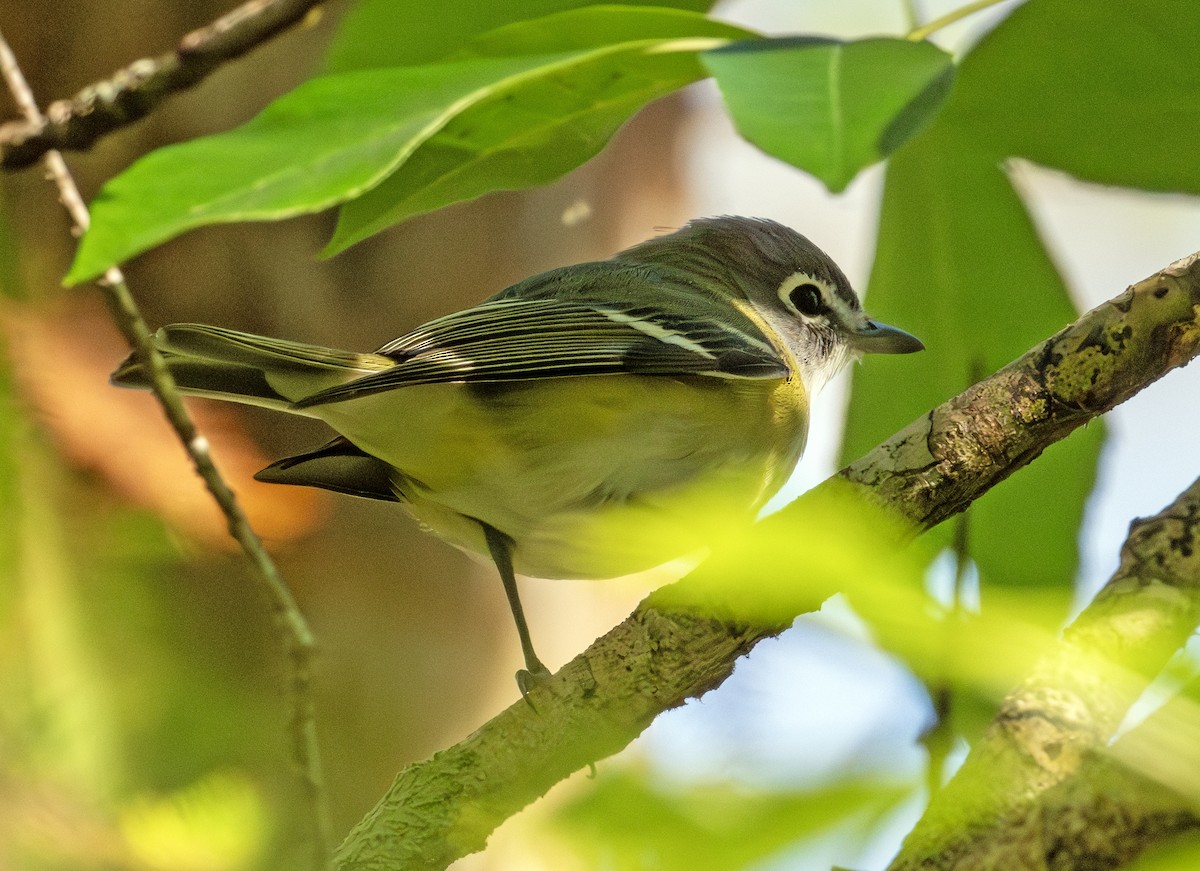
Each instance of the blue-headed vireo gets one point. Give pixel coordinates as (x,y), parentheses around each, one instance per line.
(588,422)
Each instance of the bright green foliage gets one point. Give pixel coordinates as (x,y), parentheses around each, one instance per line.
(535,127)
(625,822)
(511,107)
(829,107)
(328,140)
(385,33)
(526,105)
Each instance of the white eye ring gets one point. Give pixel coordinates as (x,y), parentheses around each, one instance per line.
(805,295)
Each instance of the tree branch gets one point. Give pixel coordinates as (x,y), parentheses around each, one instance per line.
(131,93)
(997,811)
(665,653)
(297,636)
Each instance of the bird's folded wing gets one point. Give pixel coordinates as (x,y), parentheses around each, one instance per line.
(507,339)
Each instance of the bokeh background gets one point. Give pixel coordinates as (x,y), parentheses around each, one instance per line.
(139,668)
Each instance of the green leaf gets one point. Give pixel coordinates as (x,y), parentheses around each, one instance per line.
(336,137)
(1114,103)
(534,128)
(387,33)
(830,107)
(328,140)
(626,822)
(959,262)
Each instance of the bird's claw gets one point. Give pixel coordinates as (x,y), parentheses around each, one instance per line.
(530,678)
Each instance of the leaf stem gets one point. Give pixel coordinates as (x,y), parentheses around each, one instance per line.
(917,34)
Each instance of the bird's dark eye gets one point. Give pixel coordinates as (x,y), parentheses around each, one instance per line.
(807,299)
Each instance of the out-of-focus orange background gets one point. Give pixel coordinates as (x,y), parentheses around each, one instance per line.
(138,659)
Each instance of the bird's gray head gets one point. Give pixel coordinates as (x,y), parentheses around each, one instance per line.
(790,283)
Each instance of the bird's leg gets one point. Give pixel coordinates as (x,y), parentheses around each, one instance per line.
(500,546)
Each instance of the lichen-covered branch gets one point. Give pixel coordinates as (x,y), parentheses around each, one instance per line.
(997,812)
(664,653)
(131,93)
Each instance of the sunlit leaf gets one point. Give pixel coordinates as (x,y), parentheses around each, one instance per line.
(325,142)
(624,822)
(385,33)
(449,131)
(70,730)
(831,107)
(1164,746)
(1177,854)
(533,128)
(831,540)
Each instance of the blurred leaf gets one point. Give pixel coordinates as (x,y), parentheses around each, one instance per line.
(625,822)
(533,128)
(328,140)
(832,540)
(1181,853)
(385,33)
(1111,104)
(831,107)
(65,729)
(971,278)
(216,824)
(10,424)
(1165,746)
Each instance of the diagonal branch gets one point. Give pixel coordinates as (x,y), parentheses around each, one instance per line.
(663,654)
(298,638)
(131,93)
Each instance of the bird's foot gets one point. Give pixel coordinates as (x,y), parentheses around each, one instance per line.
(535,675)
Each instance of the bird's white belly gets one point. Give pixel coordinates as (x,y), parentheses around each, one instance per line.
(590,477)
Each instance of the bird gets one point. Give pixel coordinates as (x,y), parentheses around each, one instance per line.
(588,422)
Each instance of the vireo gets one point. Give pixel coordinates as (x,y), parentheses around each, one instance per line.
(588,422)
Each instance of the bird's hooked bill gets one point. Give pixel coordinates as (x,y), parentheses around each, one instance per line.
(876,338)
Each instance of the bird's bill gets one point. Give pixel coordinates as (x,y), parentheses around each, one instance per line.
(876,338)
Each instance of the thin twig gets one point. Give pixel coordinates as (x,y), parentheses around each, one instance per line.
(130,93)
(298,637)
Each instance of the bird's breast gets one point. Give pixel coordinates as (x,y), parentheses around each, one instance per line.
(591,477)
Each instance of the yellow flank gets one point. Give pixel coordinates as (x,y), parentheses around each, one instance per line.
(592,477)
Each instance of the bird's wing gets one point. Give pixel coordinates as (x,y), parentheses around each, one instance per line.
(511,338)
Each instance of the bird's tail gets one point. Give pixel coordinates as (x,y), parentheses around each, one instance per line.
(241,367)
